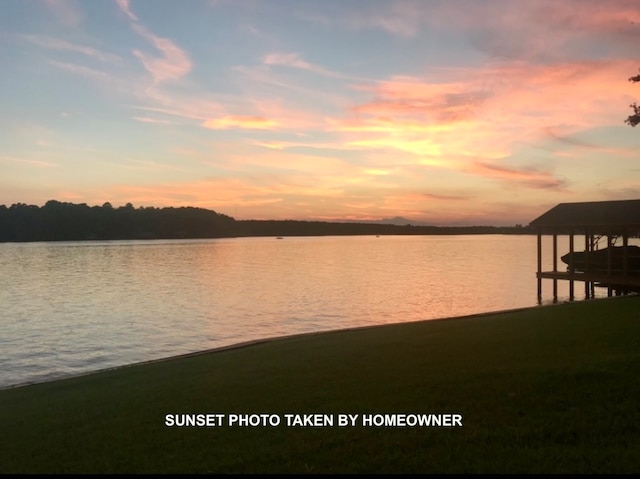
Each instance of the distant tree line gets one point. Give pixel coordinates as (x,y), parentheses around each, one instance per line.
(319,228)
(60,221)
(57,221)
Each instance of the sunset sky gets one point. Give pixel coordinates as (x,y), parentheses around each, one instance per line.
(445,112)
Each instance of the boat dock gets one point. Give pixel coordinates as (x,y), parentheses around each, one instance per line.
(596,221)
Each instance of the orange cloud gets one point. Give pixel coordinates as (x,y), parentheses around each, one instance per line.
(248,122)
(245,159)
(302,196)
(377,171)
(419,147)
(386,124)
(146,119)
(268,115)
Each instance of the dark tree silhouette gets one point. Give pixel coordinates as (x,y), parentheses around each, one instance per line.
(60,221)
(634,119)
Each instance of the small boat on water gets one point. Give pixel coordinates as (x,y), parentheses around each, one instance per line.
(598,260)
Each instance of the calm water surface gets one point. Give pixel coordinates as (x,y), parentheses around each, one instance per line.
(69,308)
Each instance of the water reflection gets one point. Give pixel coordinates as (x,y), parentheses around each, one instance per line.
(82,306)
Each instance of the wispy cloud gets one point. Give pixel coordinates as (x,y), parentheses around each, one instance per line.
(294,60)
(66,11)
(27,161)
(530,177)
(572,141)
(79,69)
(400,18)
(440,197)
(63,45)
(291,145)
(502,28)
(549,29)
(188,108)
(621,192)
(277,83)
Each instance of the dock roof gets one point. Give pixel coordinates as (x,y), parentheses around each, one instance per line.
(595,216)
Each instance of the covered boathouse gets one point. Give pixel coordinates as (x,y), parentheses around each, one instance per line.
(606,260)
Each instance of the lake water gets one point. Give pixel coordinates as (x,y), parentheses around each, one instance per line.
(75,307)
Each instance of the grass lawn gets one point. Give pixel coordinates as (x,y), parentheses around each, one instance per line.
(552,389)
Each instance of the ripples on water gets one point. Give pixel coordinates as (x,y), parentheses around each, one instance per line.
(68,308)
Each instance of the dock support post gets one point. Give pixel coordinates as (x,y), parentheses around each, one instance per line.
(539,267)
(555,267)
(571,270)
(609,259)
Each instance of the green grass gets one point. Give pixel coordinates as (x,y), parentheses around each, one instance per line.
(552,389)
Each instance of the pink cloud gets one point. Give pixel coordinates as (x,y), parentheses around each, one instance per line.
(173,63)
(126,8)
(517,89)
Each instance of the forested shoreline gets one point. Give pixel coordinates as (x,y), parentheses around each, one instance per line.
(61,221)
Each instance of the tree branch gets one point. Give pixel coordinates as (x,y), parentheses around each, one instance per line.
(634,119)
